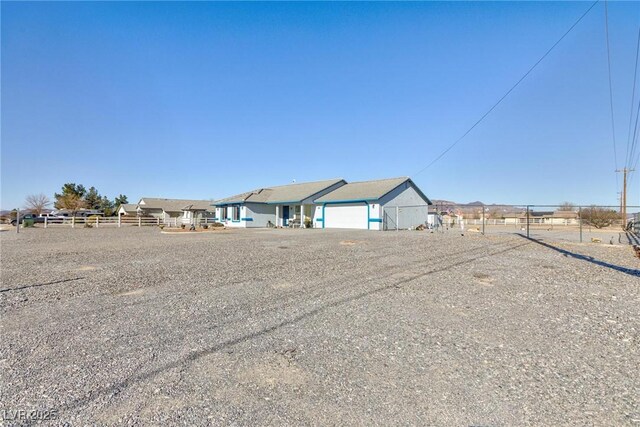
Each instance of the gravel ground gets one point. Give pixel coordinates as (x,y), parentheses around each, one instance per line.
(278,327)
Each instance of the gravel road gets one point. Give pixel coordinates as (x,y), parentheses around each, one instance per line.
(317,327)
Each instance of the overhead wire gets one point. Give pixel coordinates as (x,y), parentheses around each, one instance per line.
(451,146)
(630,141)
(613,126)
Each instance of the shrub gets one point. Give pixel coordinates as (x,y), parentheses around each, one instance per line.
(217,224)
(183,226)
(205,226)
(308,223)
(161,226)
(598,217)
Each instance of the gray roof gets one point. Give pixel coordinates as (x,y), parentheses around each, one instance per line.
(128,207)
(174,205)
(367,190)
(292,193)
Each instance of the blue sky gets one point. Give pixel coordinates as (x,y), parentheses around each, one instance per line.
(205,100)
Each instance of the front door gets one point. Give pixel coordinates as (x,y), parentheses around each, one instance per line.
(285,216)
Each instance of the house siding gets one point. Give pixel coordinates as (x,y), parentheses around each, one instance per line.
(260,214)
(412,208)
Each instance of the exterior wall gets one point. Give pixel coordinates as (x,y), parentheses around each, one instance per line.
(375,216)
(403,195)
(156,213)
(230,222)
(260,214)
(318,221)
(252,215)
(122,211)
(412,210)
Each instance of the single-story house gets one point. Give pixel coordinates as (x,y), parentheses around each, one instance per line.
(127,209)
(373,205)
(175,210)
(279,206)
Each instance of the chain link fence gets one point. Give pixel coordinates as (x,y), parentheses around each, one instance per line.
(593,223)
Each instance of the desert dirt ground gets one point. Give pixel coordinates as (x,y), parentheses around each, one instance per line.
(318,327)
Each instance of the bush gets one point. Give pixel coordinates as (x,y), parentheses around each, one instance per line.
(308,223)
(161,226)
(183,226)
(217,224)
(205,226)
(598,217)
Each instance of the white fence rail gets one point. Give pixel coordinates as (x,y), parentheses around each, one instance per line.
(123,221)
(97,221)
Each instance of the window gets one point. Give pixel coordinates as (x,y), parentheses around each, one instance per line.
(223,213)
(236,213)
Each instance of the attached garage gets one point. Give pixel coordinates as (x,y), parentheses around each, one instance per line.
(365,205)
(348,215)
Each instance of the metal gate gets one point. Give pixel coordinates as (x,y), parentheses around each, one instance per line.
(405,217)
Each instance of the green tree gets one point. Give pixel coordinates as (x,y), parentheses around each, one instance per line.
(92,199)
(70,192)
(120,200)
(106,206)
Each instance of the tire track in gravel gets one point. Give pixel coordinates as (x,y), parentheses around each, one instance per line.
(198,354)
(288,299)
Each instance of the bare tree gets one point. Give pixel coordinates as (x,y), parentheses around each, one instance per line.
(71,202)
(599,217)
(37,203)
(566,206)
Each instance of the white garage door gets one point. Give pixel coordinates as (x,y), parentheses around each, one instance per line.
(346,216)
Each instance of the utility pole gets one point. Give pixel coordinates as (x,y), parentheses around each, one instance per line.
(623,200)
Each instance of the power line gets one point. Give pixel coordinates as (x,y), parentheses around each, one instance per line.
(634,140)
(629,157)
(508,92)
(613,126)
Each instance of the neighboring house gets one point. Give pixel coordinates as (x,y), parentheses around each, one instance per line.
(276,206)
(175,210)
(562,218)
(550,217)
(373,205)
(127,209)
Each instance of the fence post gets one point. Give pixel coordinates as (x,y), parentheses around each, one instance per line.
(97,221)
(119,220)
(139,221)
(73,221)
(527,221)
(158,222)
(45,222)
(18,220)
(580,215)
(483,220)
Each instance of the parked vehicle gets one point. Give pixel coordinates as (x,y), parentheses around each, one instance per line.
(28,217)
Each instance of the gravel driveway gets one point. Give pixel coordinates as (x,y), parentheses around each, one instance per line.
(317,327)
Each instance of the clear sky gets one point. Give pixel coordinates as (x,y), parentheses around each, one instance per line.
(205,100)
